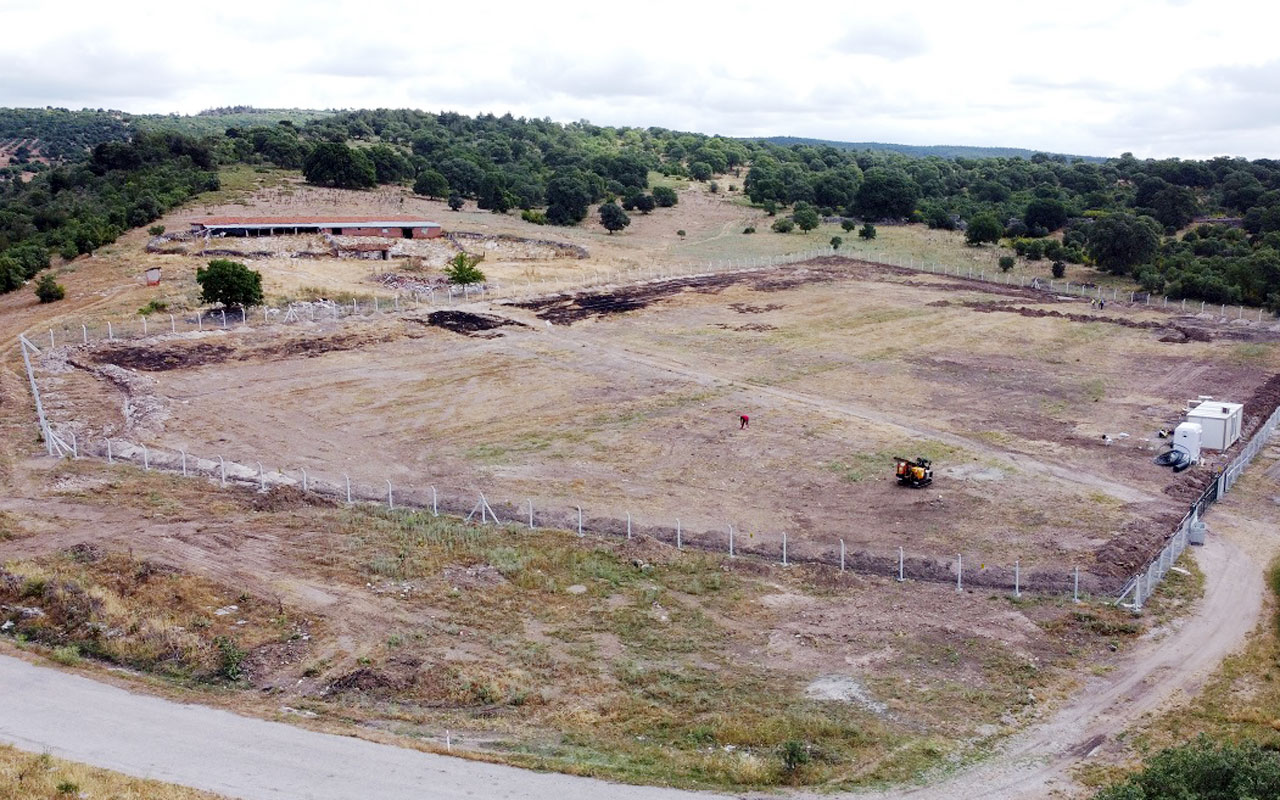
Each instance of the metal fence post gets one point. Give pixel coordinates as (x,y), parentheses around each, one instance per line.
(435,511)
(579,520)
(348,480)
(784,548)
(628,524)
(146,460)
(530,502)
(184,462)
(390,504)
(110,335)
(959,572)
(173,325)
(679,544)
(142,317)
(110,458)
(901,565)
(222,470)
(84,333)
(304,479)
(1075,592)
(262,478)
(731,553)
(1017,578)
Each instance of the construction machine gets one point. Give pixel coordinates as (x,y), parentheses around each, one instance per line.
(916,474)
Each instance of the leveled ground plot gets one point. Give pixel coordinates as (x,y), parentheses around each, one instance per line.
(628,402)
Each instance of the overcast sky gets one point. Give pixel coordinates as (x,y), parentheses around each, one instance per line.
(1192,78)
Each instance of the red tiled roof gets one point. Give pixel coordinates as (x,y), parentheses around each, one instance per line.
(287,221)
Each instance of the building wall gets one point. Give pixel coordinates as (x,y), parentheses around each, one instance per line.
(427,233)
(370,231)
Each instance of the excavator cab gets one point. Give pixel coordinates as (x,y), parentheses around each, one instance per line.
(916,474)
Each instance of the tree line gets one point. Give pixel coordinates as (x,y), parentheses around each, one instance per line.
(1123,215)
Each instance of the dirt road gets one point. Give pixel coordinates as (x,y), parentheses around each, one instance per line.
(1159,670)
(82,720)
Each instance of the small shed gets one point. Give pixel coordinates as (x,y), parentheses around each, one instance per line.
(1219,423)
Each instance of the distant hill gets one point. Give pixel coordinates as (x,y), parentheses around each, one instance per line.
(922,151)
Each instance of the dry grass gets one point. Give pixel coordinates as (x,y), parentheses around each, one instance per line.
(26,776)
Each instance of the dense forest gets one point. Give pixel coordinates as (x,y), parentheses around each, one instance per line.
(1123,215)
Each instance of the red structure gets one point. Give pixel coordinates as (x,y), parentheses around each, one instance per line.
(394,227)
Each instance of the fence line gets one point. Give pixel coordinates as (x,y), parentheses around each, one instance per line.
(474,506)
(449,296)
(1139,588)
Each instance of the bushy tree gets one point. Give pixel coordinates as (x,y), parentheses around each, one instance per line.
(462,270)
(336,165)
(456,202)
(1120,242)
(229,283)
(848,225)
(1006,263)
(49,290)
(886,193)
(1045,213)
(430,183)
(836,241)
(613,218)
(645,203)
(665,196)
(568,197)
(783,225)
(806,218)
(1058,269)
(984,227)
(867,231)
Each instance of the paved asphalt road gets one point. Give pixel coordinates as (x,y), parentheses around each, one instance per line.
(90,722)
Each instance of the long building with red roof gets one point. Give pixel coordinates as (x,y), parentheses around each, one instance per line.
(397,227)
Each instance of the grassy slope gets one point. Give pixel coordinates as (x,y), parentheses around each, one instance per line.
(27,776)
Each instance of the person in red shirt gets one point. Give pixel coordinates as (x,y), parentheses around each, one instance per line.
(745,422)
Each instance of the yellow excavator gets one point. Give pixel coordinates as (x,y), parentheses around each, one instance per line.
(916,474)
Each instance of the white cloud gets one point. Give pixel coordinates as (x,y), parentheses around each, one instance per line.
(1155,77)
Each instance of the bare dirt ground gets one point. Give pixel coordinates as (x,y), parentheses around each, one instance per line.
(627,402)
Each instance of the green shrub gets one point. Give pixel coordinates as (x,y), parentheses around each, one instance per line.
(1006,263)
(749,229)
(156,230)
(1059,269)
(230,658)
(868,231)
(49,290)
(794,753)
(783,225)
(229,283)
(536,217)
(462,270)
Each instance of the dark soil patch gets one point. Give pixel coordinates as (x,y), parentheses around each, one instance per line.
(286,498)
(744,308)
(163,357)
(566,309)
(468,323)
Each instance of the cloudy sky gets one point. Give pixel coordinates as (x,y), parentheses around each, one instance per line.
(1192,78)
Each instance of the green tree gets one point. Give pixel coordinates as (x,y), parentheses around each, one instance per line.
(462,270)
(156,230)
(665,196)
(645,203)
(229,283)
(1058,269)
(783,225)
(430,183)
(568,198)
(1046,213)
(886,193)
(700,171)
(806,218)
(48,289)
(1120,242)
(836,241)
(867,231)
(1203,770)
(984,227)
(1006,263)
(848,225)
(456,202)
(389,164)
(613,218)
(336,165)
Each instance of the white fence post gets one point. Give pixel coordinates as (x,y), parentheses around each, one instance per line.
(262,478)
(348,480)
(222,470)
(901,565)
(304,479)
(390,504)
(579,520)
(1017,578)
(679,544)
(731,553)
(784,548)
(959,572)
(184,462)
(435,511)
(842,555)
